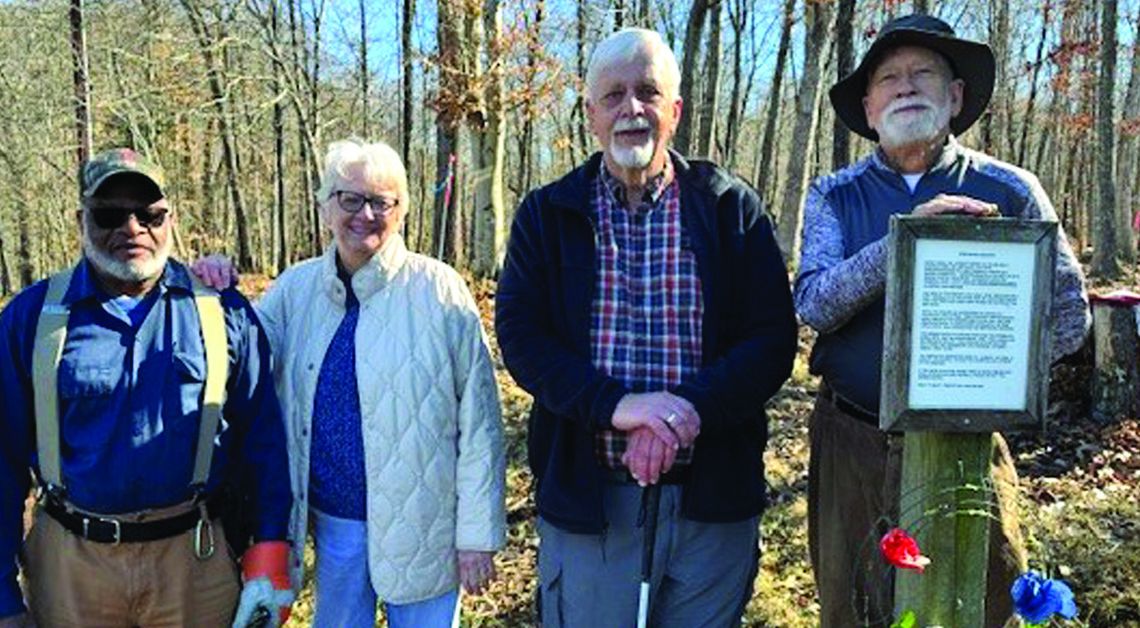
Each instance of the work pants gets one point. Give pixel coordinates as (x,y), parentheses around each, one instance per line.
(853,500)
(74,582)
(702,572)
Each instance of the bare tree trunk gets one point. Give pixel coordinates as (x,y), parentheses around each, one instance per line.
(1126,162)
(1050,136)
(80,82)
(995,130)
(1106,262)
(844,63)
(306,146)
(1038,61)
(706,138)
(738,13)
(306,142)
(764,161)
(645,14)
(24,253)
(1060,96)
(314,114)
(304,87)
(427,187)
(281,260)
(407,115)
(579,114)
(489,144)
(447,228)
(818,17)
(619,15)
(526,138)
(407,119)
(217,84)
(5,272)
(364,108)
(693,32)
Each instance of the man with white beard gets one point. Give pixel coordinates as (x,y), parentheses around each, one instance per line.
(144,406)
(645,305)
(916,88)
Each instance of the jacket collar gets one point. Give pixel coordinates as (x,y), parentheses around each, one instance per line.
(374,276)
(573,190)
(951,150)
(654,188)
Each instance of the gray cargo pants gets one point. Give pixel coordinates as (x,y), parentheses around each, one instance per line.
(702,572)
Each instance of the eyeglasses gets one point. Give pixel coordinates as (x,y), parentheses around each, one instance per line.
(353,202)
(112,217)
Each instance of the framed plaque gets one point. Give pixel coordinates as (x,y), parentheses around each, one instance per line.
(967,334)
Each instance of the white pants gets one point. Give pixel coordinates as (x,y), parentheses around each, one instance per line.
(345,598)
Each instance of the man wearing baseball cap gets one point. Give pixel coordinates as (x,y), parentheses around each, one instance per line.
(917,87)
(139,400)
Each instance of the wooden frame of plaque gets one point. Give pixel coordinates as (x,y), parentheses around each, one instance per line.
(984,294)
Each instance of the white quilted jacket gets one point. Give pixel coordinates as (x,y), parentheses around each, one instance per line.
(433,438)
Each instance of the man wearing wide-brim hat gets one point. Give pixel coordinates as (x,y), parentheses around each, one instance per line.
(917,87)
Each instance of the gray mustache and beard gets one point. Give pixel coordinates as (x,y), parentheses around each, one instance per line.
(129,271)
(904,129)
(632,156)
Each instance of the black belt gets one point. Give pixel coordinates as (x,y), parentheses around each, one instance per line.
(846,407)
(676,475)
(105,529)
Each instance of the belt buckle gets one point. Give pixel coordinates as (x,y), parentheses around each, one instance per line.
(115,525)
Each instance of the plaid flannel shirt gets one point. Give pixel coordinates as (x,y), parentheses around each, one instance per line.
(646,322)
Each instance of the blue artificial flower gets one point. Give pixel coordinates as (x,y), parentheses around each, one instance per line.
(1037,598)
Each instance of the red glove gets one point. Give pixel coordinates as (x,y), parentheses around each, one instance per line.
(265,574)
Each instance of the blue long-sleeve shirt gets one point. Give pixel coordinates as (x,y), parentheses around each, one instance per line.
(129,408)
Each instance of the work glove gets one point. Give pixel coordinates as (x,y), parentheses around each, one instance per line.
(266,595)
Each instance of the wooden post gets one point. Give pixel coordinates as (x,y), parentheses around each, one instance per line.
(1116,383)
(978,304)
(945,505)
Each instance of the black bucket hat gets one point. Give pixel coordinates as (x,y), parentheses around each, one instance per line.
(971,61)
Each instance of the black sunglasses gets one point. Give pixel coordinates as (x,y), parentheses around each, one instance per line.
(352,202)
(111,217)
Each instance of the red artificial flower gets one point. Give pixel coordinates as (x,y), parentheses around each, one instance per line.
(902,551)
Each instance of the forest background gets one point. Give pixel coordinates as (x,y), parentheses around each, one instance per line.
(237,99)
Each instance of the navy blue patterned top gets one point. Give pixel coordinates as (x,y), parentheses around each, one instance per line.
(336,472)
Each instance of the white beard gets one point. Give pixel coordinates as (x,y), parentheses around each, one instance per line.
(132,272)
(632,157)
(915,127)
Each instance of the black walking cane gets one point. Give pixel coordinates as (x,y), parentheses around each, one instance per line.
(650,505)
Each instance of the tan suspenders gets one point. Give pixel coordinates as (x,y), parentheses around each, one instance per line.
(217,366)
(51,334)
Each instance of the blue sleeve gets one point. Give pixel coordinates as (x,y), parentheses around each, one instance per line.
(17,331)
(259,457)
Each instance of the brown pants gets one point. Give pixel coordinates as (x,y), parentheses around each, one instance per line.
(74,582)
(853,499)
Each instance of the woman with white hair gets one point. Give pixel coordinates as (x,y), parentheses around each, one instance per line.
(391,408)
